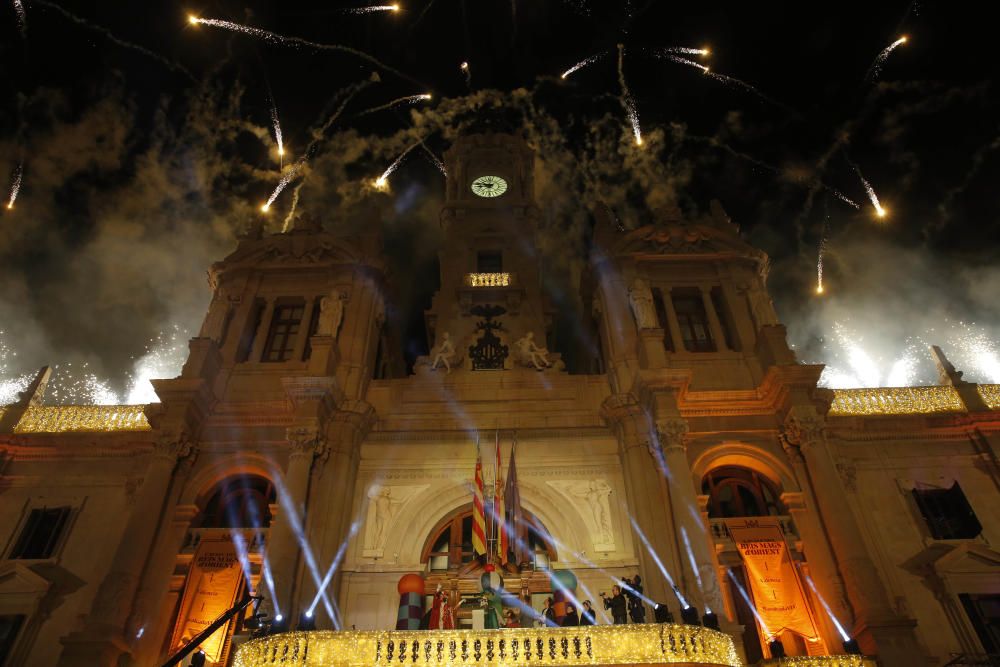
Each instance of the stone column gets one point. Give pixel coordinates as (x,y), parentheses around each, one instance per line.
(684,505)
(102,640)
(878,628)
(673,325)
(156,582)
(646,500)
(283,549)
(803,510)
(713,320)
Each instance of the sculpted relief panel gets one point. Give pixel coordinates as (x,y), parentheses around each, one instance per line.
(591,498)
(383,506)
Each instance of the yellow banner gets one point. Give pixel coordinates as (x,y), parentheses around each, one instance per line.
(774,584)
(213,583)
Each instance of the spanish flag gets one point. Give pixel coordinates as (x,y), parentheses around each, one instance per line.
(478,514)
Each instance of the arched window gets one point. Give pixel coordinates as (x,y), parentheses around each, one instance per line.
(736,492)
(450,543)
(239,502)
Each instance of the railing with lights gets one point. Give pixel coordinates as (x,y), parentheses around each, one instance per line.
(82,419)
(821,661)
(585,645)
(489,279)
(895,401)
(990,393)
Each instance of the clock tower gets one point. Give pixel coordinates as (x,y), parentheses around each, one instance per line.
(490,295)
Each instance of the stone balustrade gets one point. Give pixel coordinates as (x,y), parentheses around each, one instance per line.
(895,401)
(502,279)
(586,645)
(82,419)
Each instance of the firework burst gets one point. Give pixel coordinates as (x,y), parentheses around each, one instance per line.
(399,102)
(876,67)
(15,186)
(22,18)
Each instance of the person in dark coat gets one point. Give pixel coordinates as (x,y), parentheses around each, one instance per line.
(548,613)
(587,616)
(617,604)
(633,591)
(570,619)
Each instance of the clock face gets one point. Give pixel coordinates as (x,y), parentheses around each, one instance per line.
(489,186)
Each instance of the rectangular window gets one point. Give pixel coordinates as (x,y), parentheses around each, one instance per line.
(661,317)
(40,534)
(250,331)
(947,513)
(984,613)
(284,330)
(693,321)
(489,261)
(10,626)
(725,319)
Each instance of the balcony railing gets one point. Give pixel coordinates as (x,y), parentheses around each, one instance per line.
(490,279)
(82,419)
(990,393)
(253,538)
(876,401)
(720,531)
(586,645)
(821,661)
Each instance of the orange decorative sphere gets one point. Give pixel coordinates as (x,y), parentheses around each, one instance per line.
(411,583)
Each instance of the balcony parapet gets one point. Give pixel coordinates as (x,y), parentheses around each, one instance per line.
(643,644)
(990,393)
(821,661)
(499,279)
(878,401)
(82,419)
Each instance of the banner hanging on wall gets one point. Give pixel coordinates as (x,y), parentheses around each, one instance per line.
(774,584)
(213,582)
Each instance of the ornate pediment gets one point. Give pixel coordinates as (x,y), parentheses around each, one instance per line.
(294,249)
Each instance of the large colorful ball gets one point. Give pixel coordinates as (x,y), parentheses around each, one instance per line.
(563,579)
(411,583)
(491,581)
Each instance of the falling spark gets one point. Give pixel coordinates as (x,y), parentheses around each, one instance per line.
(684,49)
(372,9)
(880,59)
(295,42)
(583,63)
(627,101)
(22,18)
(381,182)
(467,72)
(16,185)
(286,178)
(689,63)
(879,211)
(277,130)
(398,102)
(819,259)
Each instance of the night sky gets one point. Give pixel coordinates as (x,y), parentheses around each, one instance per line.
(139,168)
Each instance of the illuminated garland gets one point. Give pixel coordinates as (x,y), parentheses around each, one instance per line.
(823,661)
(594,645)
(990,393)
(488,279)
(895,401)
(82,419)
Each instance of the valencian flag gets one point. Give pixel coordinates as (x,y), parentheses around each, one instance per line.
(478,516)
(499,514)
(515,518)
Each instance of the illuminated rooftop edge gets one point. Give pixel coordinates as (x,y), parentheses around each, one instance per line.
(846,402)
(586,645)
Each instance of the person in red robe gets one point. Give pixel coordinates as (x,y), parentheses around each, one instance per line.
(442,616)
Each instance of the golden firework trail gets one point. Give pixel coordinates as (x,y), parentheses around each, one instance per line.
(583,63)
(277,132)
(627,101)
(467,71)
(372,9)
(286,178)
(398,102)
(433,158)
(686,61)
(880,59)
(297,42)
(819,259)
(382,181)
(16,185)
(872,197)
